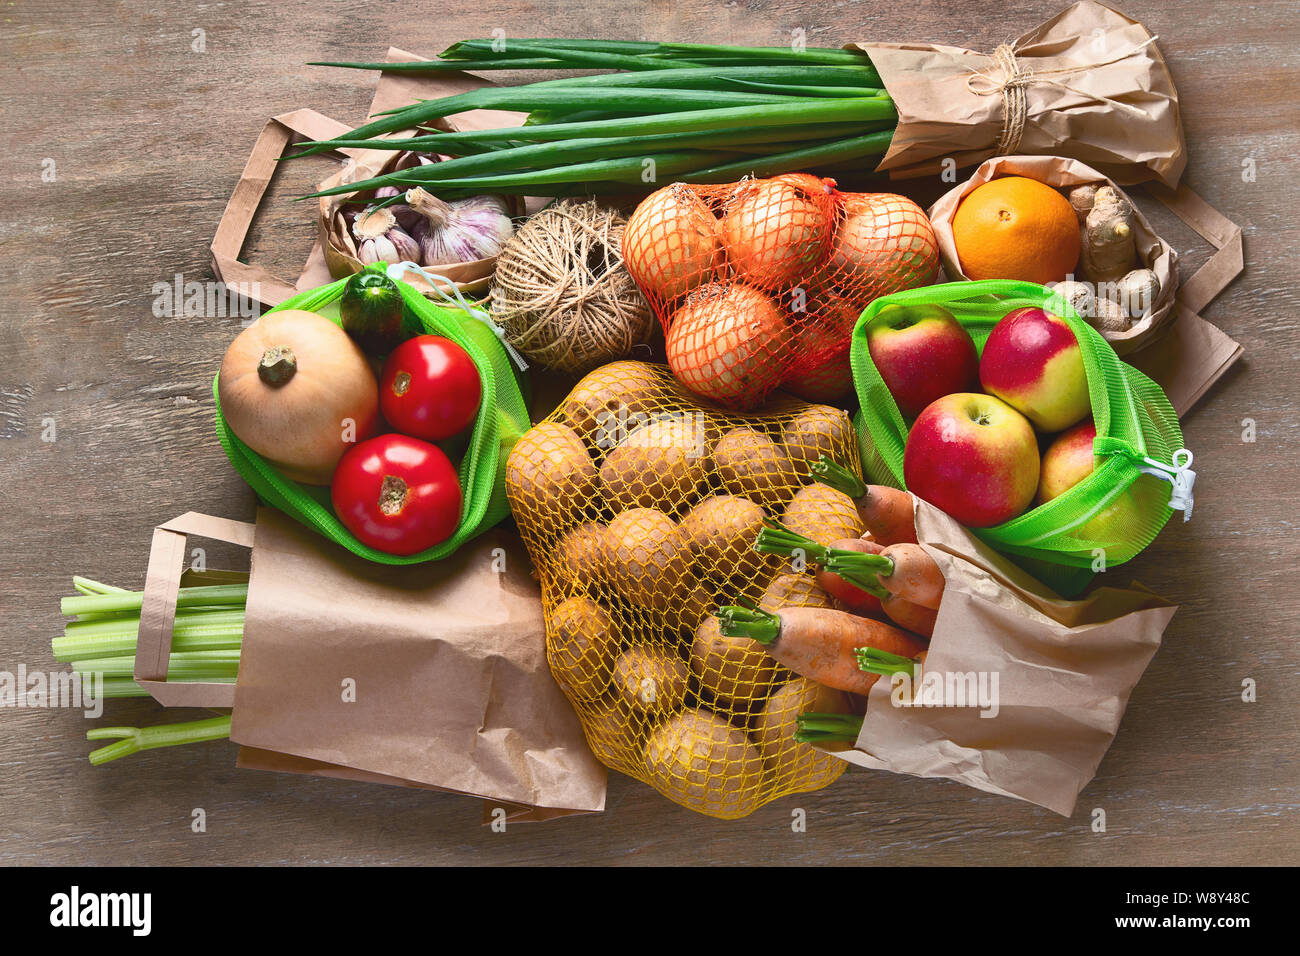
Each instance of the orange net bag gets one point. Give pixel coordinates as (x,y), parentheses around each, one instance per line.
(639,505)
(758,284)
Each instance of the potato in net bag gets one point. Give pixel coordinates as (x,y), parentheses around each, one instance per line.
(758,283)
(639,505)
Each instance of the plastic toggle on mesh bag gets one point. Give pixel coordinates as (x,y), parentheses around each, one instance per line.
(1140,466)
(639,505)
(758,283)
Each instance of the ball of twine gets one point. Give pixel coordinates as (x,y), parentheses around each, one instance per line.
(562,293)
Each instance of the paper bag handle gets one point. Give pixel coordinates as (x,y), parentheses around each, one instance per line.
(257,282)
(158,609)
(1215,228)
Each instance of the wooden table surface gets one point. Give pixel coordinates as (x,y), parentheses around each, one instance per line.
(122,144)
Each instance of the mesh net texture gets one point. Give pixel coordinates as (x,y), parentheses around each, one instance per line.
(639,505)
(1113,513)
(758,283)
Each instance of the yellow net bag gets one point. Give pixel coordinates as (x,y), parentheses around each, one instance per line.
(639,504)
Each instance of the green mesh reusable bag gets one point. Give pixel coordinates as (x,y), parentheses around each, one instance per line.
(502,418)
(1109,516)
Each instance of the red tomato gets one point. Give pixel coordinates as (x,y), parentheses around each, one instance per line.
(429,388)
(397,494)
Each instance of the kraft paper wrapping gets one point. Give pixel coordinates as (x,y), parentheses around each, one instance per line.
(1176,348)
(1095,88)
(1065,670)
(1064,174)
(446,662)
(401,89)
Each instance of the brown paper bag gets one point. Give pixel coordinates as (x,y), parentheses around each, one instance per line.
(1089,84)
(1063,671)
(1064,174)
(1192,354)
(446,663)
(401,89)
(330,260)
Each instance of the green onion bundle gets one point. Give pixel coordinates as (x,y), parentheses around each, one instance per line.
(206,640)
(690,112)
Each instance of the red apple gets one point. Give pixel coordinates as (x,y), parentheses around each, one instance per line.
(1067,461)
(974,457)
(1032,361)
(922,353)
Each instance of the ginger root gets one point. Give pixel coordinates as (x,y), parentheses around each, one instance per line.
(1137,292)
(1109,251)
(1109,316)
(1082,198)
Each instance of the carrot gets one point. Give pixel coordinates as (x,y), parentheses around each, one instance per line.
(863,597)
(887,512)
(856,599)
(914,617)
(817,643)
(905,570)
(823,728)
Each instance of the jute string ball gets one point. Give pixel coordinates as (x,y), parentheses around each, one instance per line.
(562,293)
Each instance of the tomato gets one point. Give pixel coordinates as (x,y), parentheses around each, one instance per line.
(397,494)
(429,388)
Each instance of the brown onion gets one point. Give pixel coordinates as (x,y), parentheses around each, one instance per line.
(776,232)
(670,243)
(728,343)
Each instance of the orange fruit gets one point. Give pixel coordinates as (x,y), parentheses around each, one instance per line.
(1016,228)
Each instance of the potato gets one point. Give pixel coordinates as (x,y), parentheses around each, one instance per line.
(697,603)
(750,464)
(650,680)
(701,761)
(774,727)
(720,531)
(657,466)
(581,647)
(735,670)
(579,559)
(612,399)
(647,563)
(819,430)
(820,512)
(550,477)
(789,589)
(614,733)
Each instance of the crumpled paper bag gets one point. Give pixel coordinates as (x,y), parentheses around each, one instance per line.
(1064,671)
(429,675)
(1064,174)
(1089,84)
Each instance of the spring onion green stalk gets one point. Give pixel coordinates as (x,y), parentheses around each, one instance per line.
(576,59)
(660,89)
(579,150)
(661,110)
(528,54)
(872,144)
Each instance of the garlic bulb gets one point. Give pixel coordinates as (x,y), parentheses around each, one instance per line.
(406,217)
(380,238)
(463,231)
